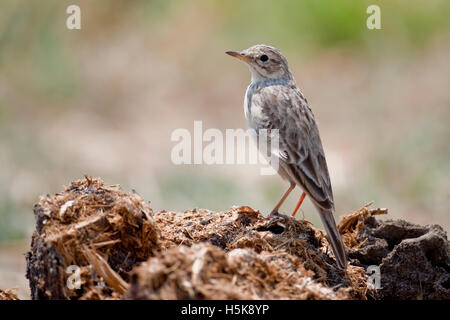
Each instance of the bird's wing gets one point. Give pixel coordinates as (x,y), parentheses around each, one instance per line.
(301,152)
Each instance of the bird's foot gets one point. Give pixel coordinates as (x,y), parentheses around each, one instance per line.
(276,214)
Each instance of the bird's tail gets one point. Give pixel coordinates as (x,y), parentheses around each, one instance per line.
(335,238)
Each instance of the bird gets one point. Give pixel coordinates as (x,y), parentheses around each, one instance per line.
(273,101)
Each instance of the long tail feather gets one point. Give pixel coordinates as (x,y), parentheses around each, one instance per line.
(335,238)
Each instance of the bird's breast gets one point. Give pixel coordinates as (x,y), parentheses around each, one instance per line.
(252,109)
(248,101)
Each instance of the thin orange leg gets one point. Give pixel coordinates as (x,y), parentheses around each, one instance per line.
(302,197)
(275,210)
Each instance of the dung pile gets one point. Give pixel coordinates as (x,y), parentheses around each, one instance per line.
(203,271)
(413,260)
(125,251)
(89,236)
(252,257)
(8,295)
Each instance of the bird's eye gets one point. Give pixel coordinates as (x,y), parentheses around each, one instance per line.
(264,58)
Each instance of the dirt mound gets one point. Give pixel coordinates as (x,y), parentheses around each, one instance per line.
(124,250)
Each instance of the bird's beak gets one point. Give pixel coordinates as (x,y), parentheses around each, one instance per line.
(239,55)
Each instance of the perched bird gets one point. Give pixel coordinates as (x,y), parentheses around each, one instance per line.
(273,101)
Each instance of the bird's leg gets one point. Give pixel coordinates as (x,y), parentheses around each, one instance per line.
(275,210)
(302,197)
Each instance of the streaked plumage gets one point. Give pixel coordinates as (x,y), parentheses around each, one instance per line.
(273,101)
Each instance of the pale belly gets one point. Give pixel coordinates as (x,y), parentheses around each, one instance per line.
(253,116)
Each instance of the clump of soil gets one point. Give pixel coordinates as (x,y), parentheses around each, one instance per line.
(124,250)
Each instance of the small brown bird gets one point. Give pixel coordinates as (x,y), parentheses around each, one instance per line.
(273,101)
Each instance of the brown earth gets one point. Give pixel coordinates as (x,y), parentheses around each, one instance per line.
(120,249)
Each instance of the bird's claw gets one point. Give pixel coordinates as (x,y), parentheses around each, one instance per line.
(276,214)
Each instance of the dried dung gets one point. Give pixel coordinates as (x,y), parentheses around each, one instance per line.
(281,252)
(8,294)
(96,228)
(124,250)
(203,271)
(414,260)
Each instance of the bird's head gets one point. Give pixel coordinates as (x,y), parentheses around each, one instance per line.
(265,62)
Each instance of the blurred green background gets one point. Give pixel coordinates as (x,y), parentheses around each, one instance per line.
(105,99)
